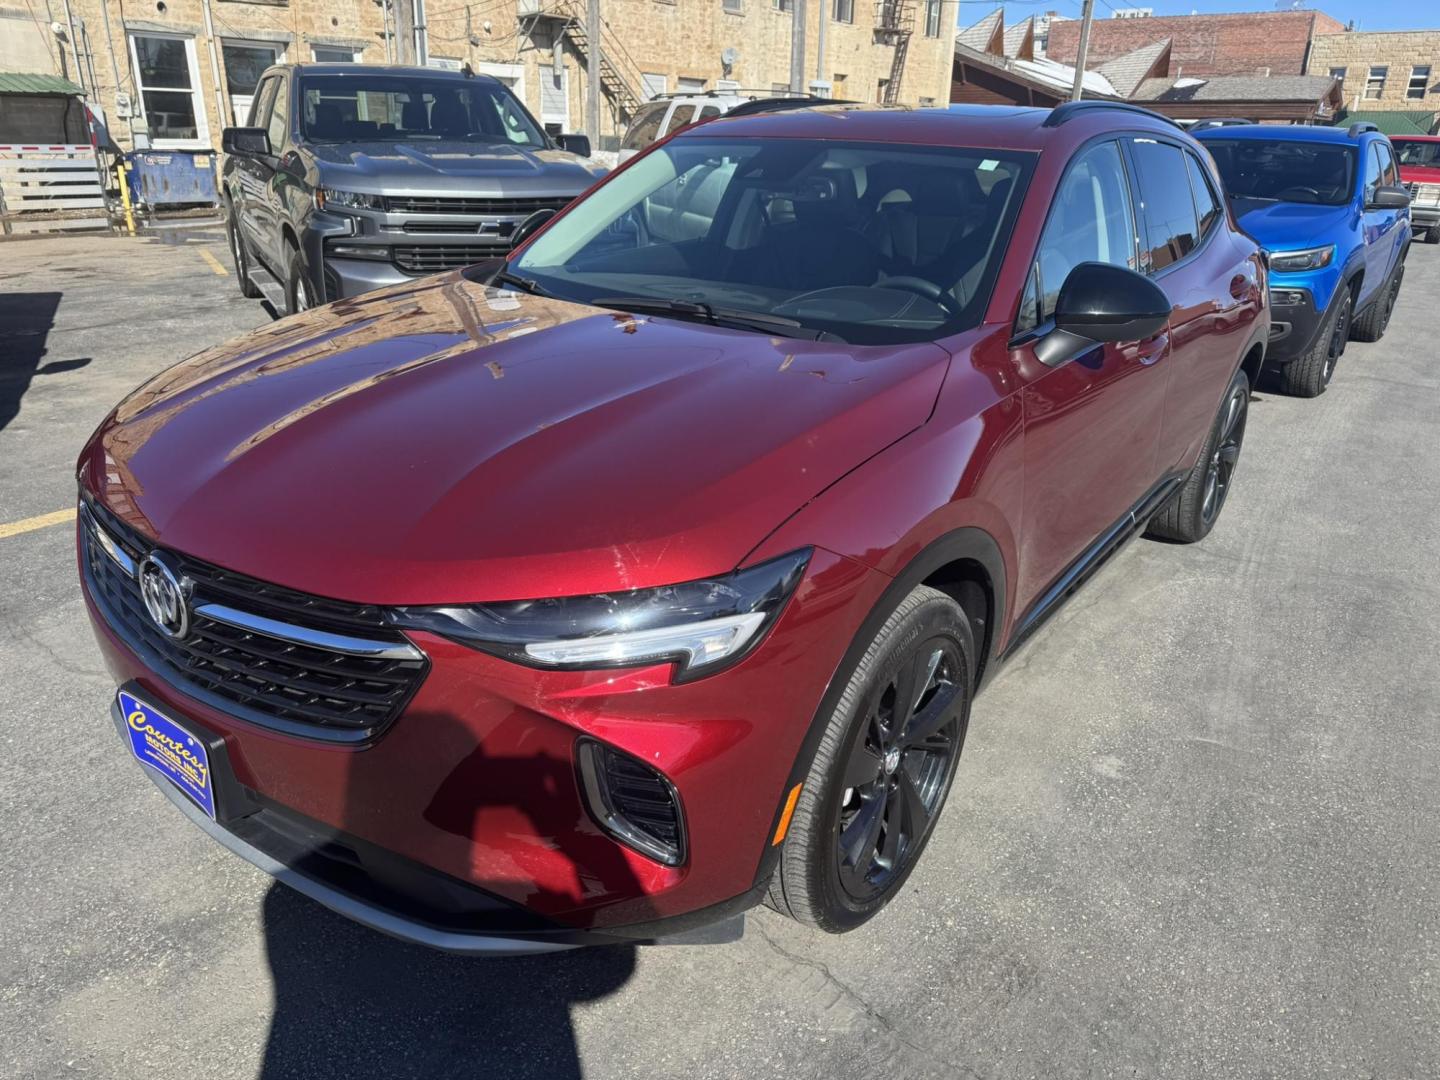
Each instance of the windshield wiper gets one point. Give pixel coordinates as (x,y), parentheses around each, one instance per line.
(778,325)
(524,284)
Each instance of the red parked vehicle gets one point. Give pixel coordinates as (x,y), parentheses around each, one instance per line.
(604,593)
(1419,159)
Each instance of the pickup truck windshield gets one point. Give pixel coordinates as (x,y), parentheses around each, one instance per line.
(1285,171)
(871,243)
(386,108)
(1417,152)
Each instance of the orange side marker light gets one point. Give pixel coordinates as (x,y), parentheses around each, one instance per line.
(787,814)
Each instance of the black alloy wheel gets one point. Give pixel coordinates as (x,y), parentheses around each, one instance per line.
(241,258)
(899,768)
(1226,453)
(1339,336)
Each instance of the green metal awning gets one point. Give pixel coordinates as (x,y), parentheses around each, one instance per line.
(1391,123)
(18,83)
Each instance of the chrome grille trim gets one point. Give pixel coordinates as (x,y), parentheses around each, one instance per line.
(303,635)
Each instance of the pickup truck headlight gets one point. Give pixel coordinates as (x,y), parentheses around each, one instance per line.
(701,626)
(347,200)
(1306,259)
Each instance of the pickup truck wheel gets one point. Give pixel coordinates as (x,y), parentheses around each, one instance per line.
(299,293)
(1193,510)
(241,257)
(1371,325)
(1431,235)
(883,770)
(1309,374)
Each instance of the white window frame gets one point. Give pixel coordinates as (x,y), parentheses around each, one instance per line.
(1375,84)
(250,43)
(548,72)
(1424,86)
(357,56)
(512,75)
(647,85)
(197,92)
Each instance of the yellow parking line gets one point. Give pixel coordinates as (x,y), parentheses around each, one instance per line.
(214,262)
(15,528)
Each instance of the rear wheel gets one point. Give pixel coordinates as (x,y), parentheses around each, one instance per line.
(1431,235)
(883,770)
(240,255)
(1192,512)
(1309,374)
(1371,325)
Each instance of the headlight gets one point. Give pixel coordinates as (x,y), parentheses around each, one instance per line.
(1308,259)
(347,200)
(701,626)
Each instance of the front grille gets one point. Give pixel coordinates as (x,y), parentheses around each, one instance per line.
(432,258)
(423,204)
(439,227)
(304,689)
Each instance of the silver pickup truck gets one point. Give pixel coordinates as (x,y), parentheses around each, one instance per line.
(351,177)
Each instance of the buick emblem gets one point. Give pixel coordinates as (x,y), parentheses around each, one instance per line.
(163,590)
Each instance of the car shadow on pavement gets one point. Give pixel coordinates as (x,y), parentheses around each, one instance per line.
(25,323)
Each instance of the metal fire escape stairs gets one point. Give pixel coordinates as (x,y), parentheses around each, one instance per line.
(617,70)
(894,23)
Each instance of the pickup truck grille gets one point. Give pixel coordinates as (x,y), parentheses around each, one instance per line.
(418,204)
(273,677)
(1424,194)
(432,258)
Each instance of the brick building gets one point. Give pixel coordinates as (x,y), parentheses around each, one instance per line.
(186,68)
(1384,72)
(1264,42)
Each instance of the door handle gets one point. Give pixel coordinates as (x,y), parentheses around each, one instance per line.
(1154,350)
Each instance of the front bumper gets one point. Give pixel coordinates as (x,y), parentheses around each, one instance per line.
(1422,217)
(474,786)
(1294,322)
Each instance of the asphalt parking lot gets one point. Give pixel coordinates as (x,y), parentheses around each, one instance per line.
(1194,833)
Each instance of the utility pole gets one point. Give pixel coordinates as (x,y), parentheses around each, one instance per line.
(404,32)
(1087,16)
(592,64)
(797,46)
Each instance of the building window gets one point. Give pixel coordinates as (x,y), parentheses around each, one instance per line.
(1375,84)
(784,5)
(690,86)
(169,83)
(932,18)
(1337,73)
(331,54)
(780,88)
(735,7)
(843,11)
(927,102)
(1419,81)
(652,86)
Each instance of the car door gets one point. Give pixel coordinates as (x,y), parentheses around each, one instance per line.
(1211,287)
(1092,423)
(1390,231)
(1373,225)
(269,214)
(247,193)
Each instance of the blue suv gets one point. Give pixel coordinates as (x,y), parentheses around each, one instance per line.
(1327,206)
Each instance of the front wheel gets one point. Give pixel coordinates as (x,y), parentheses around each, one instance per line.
(299,293)
(1431,235)
(240,255)
(1192,512)
(883,770)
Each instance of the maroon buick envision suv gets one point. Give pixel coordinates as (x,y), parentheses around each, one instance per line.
(605,592)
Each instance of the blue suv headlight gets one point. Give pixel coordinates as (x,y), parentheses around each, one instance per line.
(1288,262)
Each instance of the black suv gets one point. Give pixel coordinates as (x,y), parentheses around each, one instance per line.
(351,177)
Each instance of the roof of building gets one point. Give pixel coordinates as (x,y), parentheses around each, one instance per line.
(978,36)
(1236,88)
(1127,72)
(18,83)
(1392,123)
(1042,73)
(1015,37)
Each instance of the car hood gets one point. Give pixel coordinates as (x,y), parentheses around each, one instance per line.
(446,442)
(1285,226)
(1420,174)
(469,168)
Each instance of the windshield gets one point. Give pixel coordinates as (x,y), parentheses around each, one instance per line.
(869,243)
(387,108)
(1417,152)
(1284,171)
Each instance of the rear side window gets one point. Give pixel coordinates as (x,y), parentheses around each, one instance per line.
(1171,228)
(682,115)
(645,128)
(1090,221)
(709,112)
(1207,204)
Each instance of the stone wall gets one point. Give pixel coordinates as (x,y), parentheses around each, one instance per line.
(1400,52)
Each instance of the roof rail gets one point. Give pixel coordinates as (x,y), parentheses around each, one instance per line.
(1360,127)
(1067,110)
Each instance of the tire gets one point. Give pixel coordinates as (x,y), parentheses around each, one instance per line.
(299,293)
(1372,322)
(1431,235)
(1309,374)
(240,256)
(889,818)
(1192,511)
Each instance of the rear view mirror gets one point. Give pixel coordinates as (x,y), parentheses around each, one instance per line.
(578,145)
(1100,302)
(245,140)
(530,226)
(1390,197)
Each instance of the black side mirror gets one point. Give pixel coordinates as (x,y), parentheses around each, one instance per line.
(1390,197)
(1100,302)
(243,140)
(579,145)
(530,226)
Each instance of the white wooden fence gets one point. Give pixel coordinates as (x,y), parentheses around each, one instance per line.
(49,177)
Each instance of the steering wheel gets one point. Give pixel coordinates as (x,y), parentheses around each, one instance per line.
(945,301)
(1301,189)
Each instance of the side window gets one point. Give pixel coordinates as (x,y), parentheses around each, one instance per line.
(645,128)
(1090,221)
(279,117)
(1388,175)
(682,115)
(709,112)
(1166,206)
(1372,173)
(260,104)
(1207,204)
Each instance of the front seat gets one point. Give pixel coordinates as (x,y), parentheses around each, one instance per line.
(822,248)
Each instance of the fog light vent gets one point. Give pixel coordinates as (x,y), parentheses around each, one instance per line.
(631,801)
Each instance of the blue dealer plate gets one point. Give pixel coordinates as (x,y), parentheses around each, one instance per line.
(165,746)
